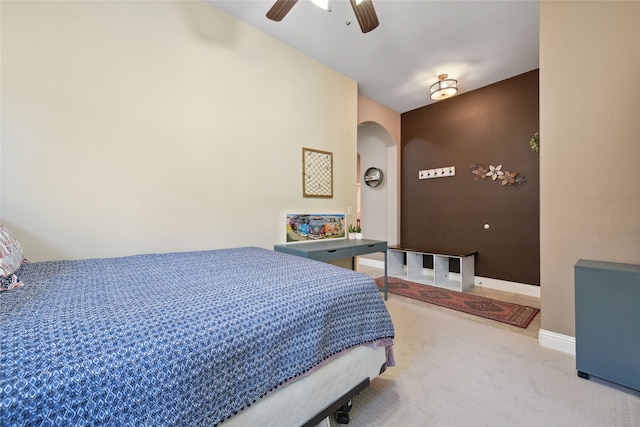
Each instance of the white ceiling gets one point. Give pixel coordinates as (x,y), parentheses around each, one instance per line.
(476,42)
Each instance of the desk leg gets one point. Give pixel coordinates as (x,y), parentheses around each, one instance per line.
(385,275)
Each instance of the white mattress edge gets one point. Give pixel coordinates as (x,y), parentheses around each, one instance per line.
(297,402)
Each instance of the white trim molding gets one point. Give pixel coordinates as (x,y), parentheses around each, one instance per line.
(371,262)
(556,341)
(503,285)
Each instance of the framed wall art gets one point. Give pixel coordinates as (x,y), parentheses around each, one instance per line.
(317,173)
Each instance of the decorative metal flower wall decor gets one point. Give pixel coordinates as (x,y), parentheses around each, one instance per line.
(534,143)
(496,173)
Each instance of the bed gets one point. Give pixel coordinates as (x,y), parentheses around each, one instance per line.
(204,338)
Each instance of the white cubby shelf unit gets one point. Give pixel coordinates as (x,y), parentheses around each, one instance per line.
(408,263)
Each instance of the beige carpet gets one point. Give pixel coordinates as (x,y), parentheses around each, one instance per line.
(456,371)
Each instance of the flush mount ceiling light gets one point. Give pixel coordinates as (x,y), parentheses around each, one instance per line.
(443,88)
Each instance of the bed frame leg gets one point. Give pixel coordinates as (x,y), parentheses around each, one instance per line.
(340,408)
(342,414)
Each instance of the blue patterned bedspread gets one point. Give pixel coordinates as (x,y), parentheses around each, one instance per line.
(177,339)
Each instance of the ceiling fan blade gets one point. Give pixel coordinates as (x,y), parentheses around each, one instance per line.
(366,15)
(280,9)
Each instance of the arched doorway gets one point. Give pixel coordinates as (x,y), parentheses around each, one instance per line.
(378,207)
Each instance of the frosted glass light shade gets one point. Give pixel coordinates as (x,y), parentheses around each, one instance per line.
(443,88)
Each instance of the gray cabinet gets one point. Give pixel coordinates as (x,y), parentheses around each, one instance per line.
(607,302)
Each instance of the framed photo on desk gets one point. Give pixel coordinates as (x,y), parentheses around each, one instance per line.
(303,227)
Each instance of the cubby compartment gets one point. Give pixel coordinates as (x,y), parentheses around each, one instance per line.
(416,272)
(396,263)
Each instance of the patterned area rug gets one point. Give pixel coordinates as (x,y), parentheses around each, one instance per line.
(500,311)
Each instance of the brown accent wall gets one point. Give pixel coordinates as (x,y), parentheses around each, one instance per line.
(488,126)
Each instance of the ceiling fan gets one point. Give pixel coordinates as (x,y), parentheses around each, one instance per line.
(363,9)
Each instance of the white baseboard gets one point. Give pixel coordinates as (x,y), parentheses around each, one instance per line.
(555,341)
(371,262)
(503,285)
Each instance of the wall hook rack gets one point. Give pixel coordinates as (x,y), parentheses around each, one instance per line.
(437,172)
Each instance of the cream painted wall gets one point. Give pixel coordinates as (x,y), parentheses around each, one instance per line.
(132,127)
(590,145)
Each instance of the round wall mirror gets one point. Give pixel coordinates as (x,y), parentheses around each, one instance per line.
(373,177)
